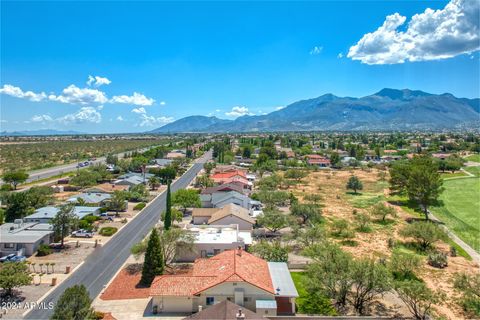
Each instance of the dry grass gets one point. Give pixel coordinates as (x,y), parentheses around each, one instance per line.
(338,204)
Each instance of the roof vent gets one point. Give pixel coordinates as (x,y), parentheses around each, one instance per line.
(240,315)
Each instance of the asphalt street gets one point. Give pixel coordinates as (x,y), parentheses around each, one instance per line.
(103,263)
(55,171)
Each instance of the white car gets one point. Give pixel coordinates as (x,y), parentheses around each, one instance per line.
(82,234)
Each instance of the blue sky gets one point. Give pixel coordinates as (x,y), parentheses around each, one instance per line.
(218,58)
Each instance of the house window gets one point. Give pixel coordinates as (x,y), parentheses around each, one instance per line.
(210,301)
(246,299)
(216,251)
(9,245)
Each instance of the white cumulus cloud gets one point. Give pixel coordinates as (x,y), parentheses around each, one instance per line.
(41,118)
(140,110)
(431,35)
(84,96)
(19,93)
(238,112)
(136,99)
(97,81)
(85,114)
(149,121)
(119,118)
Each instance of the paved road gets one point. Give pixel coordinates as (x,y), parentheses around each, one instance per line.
(55,171)
(103,263)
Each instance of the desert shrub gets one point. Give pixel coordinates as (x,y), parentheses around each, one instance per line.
(83,224)
(108,231)
(139,206)
(44,250)
(469,286)
(437,259)
(403,265)
(91,219)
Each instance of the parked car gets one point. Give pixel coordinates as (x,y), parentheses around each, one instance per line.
(7,257)
(82,234)
(18,259)
(80,164)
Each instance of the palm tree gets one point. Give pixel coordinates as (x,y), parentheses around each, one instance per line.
(154,182)
(33,266)
(47,264)
(40,275)
(41,267)
(52,264)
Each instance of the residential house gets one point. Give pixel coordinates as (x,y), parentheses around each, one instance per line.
(226,187)
(46,214)
(230,214)
(317,160)
(233,275)
(225,310)
(221,199)
(212,239)
(92,198)
(24,238)
(131,181)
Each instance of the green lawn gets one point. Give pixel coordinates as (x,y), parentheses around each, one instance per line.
(447,175)
(461,209)
(473,170)
(473,157)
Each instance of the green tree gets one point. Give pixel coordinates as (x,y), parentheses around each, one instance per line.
(15,177)
(273,220)
(74,304)
(154,182)
(153,265)
(204,181)
(167,222)
(117,202)
(382,211)
(14,275)
(17,205)
(329,273)
(40,196)
(354,184)
(64,222)
(469,287)
(334,159)
(424,183)
(295,174)
(417,297)
(370,279)
(307,212)
(272,198)
(399,173)
(425,233)
(403,264)
(186,198)
(85,178)
(313,198)
(308,236)
(272,251)
(167,174)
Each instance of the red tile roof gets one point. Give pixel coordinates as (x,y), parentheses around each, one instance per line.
(228,266)
(228,174)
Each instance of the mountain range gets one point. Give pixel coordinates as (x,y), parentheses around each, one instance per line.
(41,132)
(388,109)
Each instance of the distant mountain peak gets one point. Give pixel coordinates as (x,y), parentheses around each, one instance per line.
(396,94)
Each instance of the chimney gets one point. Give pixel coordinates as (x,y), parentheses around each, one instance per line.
(240,315)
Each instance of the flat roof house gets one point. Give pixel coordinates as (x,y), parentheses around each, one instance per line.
(233,275)
(46,214)
(24,238)
(214,239)
(93,198)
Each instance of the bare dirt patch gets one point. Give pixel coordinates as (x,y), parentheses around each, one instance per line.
(340,204)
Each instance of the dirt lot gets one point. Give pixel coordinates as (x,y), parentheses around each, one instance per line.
(340,204)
